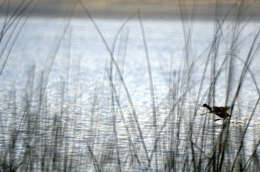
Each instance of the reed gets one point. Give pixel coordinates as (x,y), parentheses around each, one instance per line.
(58,129)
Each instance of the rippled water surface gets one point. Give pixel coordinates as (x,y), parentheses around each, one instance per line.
(55,91)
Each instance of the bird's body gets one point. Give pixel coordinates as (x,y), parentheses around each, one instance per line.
(219,111)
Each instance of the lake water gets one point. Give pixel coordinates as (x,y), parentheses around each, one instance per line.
(69,60)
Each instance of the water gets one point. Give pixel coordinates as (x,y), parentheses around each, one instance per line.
(73,68)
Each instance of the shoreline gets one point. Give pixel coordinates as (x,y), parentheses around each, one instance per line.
(169,11)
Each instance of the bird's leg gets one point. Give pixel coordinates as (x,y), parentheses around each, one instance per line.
(204,113)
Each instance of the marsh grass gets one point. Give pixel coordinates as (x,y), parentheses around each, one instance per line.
(46,129)
(13,23)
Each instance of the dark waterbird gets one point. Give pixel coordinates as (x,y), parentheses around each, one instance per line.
(219,111)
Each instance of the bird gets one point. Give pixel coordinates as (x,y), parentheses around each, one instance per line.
(219,111)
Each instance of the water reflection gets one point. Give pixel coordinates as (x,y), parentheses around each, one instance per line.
(70,116)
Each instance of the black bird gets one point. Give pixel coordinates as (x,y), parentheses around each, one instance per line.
(219,111)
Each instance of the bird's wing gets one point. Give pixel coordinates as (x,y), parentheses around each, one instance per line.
(225,108)
(221,109)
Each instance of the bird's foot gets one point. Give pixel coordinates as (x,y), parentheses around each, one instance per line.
(204,113)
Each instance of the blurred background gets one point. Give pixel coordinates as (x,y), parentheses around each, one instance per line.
(149,8)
